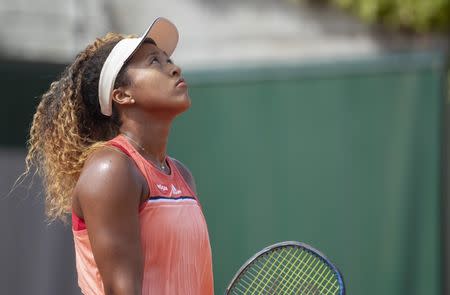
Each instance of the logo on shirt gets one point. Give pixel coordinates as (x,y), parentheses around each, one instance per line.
(162,187)
(175,191)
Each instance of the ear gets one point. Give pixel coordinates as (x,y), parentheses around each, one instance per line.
(122,96)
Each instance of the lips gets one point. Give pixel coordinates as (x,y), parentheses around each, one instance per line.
(180,83)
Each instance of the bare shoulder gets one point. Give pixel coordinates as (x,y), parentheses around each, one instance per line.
(186,173)
(108,177)
(108,195)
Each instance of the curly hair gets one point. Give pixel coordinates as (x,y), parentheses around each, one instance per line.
(68,125)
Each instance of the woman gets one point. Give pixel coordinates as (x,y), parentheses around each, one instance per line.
(99,140)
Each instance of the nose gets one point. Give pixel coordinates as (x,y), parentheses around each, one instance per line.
(175,71)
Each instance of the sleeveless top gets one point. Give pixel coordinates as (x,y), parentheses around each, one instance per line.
(174,236)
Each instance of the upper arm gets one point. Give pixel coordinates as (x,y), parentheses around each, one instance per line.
(187,175)
(108,192)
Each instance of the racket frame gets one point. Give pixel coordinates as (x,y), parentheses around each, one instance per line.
(270,248)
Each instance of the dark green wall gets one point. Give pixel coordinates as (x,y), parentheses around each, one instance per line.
(345,157)
(342,156)
(22,84)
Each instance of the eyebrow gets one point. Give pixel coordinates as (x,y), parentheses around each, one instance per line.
(156,53)
(153,52)
(148,40)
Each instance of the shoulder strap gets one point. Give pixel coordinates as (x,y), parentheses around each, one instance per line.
(121,145)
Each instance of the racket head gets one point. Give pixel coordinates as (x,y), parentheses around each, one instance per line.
(287,268)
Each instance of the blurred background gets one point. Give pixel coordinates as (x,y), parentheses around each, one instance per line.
(318,121)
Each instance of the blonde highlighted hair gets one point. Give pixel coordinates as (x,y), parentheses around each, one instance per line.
(68,125)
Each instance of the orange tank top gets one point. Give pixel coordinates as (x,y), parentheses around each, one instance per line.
(174,236)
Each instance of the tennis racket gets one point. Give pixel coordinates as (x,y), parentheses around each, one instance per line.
(287,268)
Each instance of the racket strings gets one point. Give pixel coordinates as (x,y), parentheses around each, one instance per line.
(289,270)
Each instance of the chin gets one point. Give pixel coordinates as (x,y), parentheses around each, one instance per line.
(185,100)
(183,103)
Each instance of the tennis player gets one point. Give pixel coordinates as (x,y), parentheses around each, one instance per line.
(99,138)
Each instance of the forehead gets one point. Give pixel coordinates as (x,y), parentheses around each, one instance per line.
(146,50)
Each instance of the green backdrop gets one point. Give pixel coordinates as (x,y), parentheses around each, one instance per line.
(345,157)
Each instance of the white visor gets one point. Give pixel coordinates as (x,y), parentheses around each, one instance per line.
(165,35)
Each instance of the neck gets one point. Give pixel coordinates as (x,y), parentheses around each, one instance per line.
(150,134)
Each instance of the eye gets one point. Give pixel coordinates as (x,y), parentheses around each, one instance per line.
(169,61)
(154,60)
